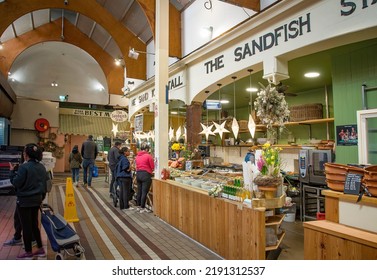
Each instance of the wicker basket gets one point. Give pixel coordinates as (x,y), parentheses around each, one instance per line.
(306,112)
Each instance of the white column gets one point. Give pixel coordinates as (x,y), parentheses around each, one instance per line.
(161,108)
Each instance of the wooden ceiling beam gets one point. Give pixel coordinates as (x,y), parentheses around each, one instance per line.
(249,4)
(149,8)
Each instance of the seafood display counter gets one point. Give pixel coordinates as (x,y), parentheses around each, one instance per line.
(226,227)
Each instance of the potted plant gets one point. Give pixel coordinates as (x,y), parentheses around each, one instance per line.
(269,177)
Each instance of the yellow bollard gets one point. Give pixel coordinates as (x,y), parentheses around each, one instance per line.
(70,212)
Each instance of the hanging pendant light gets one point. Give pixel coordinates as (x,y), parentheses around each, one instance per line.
(251,124)
(178,133)
(235,125)
(220,128)
(171,130)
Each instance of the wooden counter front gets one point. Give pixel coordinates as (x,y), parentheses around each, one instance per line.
(224,226)
(325,240)
(330,240)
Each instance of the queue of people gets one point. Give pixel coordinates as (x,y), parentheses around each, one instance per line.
(31,178)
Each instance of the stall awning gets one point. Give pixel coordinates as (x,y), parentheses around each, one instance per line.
(86,125)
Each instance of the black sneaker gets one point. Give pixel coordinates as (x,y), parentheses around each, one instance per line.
(13,242)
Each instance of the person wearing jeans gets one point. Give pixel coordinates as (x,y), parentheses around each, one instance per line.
(89,152)
(144,170)
(124,177)
(75,161)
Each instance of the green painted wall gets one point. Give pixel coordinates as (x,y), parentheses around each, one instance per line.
(350,71)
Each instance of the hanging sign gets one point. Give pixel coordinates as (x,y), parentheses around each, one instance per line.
(119,116)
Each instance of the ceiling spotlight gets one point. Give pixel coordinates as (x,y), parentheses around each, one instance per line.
(54,84)
(119,61)
(311,75)
(252,89)
(134,54)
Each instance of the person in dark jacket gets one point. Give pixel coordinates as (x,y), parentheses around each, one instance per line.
(89,152)
(29,180)
(124,178)
(113,157)
(144,170)
(75,160)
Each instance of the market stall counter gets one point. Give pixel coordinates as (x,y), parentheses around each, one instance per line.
(229,228)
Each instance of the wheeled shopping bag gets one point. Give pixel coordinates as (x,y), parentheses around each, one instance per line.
(62,237)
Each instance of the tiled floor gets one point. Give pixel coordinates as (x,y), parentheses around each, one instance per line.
(108,233)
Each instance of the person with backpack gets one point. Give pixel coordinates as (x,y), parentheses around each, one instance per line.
(75,160)
(124,179)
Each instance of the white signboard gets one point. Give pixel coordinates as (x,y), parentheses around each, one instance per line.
(119,116)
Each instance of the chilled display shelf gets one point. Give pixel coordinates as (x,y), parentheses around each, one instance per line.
(280,239)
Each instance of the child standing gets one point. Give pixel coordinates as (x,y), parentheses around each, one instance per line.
(75,160)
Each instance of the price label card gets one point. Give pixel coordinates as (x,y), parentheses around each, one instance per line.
(352,183)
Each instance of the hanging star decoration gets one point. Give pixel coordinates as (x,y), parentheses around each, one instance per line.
(171,134)
(178,133)
(115,129)
(185,133)
(151,135)
(251,125)
(207,130)
(235,127)
(220,129)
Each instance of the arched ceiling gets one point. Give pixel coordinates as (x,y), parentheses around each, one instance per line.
(114,26)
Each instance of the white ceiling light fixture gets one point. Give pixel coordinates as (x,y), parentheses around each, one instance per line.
(252,89)
(134,54)
(54,84)
(119,61)
(311,75)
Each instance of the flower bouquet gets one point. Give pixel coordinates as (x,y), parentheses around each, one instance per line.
(269,165)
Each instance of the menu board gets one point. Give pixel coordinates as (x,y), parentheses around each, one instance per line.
(138,123)
(352,183)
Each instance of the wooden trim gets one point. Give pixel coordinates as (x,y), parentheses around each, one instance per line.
(365,200)
(345,232)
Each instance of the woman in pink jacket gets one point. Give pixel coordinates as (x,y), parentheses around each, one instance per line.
(144,170)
